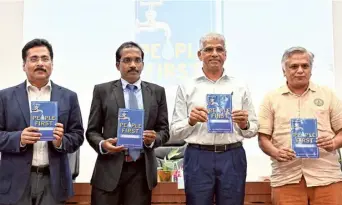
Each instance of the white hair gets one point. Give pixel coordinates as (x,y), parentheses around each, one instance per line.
(293,50)
(211,36)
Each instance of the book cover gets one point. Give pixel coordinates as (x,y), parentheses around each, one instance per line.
(130,128)
(219,113)
(44,116)
(304,137)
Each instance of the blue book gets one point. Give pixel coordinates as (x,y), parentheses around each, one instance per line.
(219,113)
(130,128)
(304,137)
(44,115)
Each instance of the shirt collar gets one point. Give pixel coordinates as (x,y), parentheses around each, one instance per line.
(29,85)
(285,89)
(125,83)
(202,76)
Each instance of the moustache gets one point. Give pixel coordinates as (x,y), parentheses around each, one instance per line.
(40,69)
(133,70)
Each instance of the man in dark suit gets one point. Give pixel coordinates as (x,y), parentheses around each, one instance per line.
(120,178)
(34,172)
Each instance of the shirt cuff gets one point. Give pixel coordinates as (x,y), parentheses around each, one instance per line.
(247,127)
(182,129)
(22,146)
(189,128)
(60,146)
(102,150)
(251,130)
(151,145)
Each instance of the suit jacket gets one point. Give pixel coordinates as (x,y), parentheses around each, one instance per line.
(102,124)
(16,162)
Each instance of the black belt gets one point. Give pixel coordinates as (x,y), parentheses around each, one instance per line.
(217,148)
(41,170)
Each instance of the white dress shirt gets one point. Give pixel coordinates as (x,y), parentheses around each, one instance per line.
(194,94)
(40,148)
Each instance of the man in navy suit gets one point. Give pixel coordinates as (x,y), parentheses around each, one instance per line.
(34,172)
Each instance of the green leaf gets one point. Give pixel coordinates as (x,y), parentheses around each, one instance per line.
(173,153)
(168,166)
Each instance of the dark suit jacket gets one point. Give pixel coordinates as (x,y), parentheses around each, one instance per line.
(16,162)
(102,124)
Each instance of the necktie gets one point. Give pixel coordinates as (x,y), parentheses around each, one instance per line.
(133,104)
(132,99)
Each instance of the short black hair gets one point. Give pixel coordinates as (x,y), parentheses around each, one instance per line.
(38,42)
(129,44)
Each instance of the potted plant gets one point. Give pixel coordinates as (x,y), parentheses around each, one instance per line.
(168,166)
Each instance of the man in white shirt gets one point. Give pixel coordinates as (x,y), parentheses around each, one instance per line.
(214,163)
(37,172)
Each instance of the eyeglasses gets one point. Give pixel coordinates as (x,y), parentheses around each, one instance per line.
(35,59)
(211,50)
(130,60)
(296,66)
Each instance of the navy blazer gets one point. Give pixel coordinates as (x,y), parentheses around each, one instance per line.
(15,163)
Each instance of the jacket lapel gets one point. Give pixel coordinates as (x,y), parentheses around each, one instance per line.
(22,98)
(118,94)
(146,94)
(147,100)
(56,94)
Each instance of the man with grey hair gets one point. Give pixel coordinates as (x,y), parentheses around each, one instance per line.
(214,163)
(302,181)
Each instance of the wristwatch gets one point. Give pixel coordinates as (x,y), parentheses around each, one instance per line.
(247,127)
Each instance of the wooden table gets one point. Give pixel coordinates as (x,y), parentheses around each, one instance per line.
(168,193)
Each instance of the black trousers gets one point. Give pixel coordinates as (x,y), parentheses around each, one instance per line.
(132,188)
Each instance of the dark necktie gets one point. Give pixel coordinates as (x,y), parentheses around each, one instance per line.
(133,104)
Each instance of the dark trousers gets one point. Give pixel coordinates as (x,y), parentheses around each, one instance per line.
(208,174)
(38,191)
(132,188)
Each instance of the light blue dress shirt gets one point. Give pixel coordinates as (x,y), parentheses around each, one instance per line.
(138,95)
